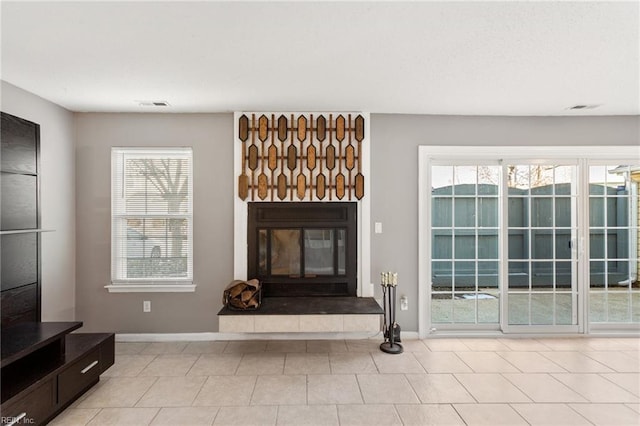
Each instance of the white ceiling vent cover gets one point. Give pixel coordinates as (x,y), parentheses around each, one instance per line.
(153,103)
(584,106)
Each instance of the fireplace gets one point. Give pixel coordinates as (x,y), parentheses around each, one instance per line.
(303,248)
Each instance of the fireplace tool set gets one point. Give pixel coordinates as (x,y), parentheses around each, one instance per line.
(391,329)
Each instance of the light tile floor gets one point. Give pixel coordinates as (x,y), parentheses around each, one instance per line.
(563,381)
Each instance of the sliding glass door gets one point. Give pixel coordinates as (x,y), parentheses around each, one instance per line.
(465,254)
(529,243)
(614,290)
(541,226)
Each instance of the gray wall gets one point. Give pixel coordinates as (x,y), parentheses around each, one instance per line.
(394,182)
(211,137)
(57,168)
(394,166)
(81,219)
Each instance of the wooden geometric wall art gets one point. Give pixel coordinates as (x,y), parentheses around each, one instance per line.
(300,156)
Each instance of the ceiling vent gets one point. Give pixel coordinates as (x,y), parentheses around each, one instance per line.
(153,103)
(584,106)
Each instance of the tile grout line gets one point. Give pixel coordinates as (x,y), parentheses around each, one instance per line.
(235,370)
(199,389)
(455,376)
(510,405)
(337,414)
(216,416)
(364,402)
(155,415)
(415,392)
(145,392)
(580,414)
(576,390)
(455,353)
(605,365)
(617,385)
(253,390)
(453,407)
(502,374)
(192,365)
(561,366)
(507,361)
(94,416)
(395,409)
(277,415)
(195,398)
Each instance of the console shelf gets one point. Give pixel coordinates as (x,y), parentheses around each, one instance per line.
(23,339)
(44,368)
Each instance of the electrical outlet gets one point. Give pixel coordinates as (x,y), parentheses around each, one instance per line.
(404,303)
(146,306)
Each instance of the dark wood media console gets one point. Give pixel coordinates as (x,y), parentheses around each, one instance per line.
(45,368)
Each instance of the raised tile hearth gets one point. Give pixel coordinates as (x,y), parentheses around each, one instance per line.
(305,314)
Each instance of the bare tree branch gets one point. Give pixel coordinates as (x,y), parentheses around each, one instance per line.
(169,180)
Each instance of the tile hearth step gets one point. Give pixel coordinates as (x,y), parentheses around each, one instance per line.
(305,314)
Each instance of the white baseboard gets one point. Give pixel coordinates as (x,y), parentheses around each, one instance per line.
(193,337)
(165,337)
(409,335)
(405,335)
(199,337)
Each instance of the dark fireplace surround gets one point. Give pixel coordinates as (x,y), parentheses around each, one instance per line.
(303,248)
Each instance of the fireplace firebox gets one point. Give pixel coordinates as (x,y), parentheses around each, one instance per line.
(303,248)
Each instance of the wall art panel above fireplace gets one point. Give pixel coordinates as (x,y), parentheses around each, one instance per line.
(301,156)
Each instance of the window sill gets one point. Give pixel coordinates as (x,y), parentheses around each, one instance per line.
(151,288)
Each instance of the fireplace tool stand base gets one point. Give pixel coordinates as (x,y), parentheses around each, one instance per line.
(391,348)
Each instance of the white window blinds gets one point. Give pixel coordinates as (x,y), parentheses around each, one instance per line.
(152,216)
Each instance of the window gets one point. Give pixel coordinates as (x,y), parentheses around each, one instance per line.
(152,219)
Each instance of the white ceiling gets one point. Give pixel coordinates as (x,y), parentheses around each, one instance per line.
(476,58)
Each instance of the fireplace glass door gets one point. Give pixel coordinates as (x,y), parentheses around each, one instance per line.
(280,252)
(303,251)
(322,252)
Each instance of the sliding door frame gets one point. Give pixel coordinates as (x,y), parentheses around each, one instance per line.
(578,155)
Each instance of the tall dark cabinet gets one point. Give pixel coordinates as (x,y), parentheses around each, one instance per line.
(44,366)
(20,220)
